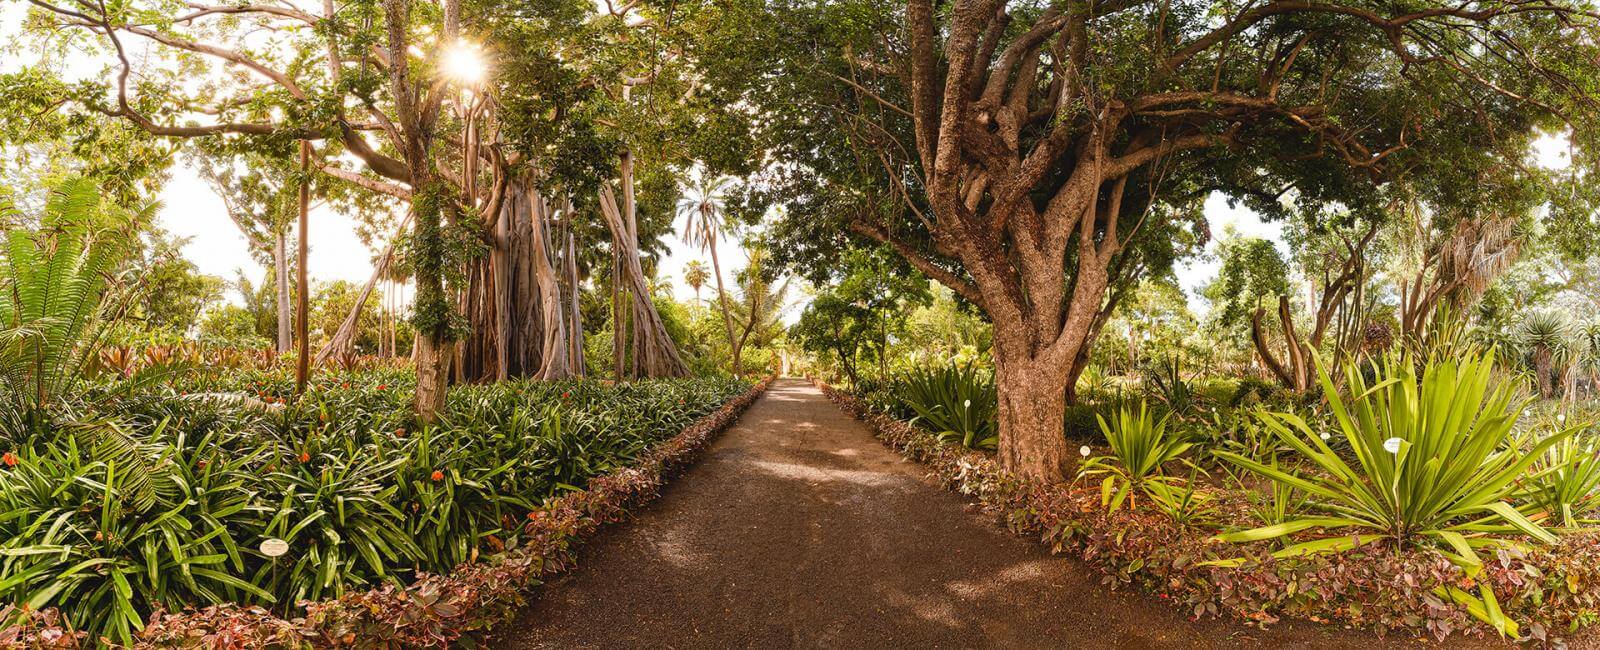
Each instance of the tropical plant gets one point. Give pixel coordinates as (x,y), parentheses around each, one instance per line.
(1549,339)
(53,282)
(1140,447)
(1171,388)
(1566,480)
(695,275)
(1435,463)
(958,403)
(1182,502)
(1095,381)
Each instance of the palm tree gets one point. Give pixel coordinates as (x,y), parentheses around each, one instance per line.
(694,273)
(702,225)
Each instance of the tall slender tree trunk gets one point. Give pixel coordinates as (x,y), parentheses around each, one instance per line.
(302,373)
(722,300)
(280,278)
(574,313)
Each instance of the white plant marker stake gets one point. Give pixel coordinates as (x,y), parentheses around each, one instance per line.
(274,547)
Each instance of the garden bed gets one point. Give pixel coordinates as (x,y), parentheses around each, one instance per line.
(1552,591)
(433,609)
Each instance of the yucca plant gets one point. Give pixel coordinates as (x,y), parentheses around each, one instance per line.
(1549,339)
(1435,465)
(1172,389)
(957,403)
(1139,447)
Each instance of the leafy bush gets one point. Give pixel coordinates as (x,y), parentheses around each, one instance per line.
(1172,389)
(957,403)
(1565,482)
(1139,447)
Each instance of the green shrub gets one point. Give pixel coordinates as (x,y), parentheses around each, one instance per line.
(163,499)
(1565,482)
(53,281)
(958,403)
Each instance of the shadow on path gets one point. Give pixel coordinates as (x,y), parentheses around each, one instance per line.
(799,530)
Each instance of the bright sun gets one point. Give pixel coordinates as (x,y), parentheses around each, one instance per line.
(464,62)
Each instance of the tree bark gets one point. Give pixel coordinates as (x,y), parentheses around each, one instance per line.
(575,313)
(1032,402)
(302,373)
(655,353)
(518,317)
(280,277)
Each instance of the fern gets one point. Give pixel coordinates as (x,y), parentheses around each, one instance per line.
(54,281)
(137,465)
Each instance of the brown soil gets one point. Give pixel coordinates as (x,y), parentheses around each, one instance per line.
(798,529)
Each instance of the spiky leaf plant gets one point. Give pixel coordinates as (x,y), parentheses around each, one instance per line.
(958,403)
(1549,340)
(1435,465)
(1139,447)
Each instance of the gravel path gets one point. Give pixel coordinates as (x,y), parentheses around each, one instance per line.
(799,530)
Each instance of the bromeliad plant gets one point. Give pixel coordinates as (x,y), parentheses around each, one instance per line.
(1139,447)
(1435,465)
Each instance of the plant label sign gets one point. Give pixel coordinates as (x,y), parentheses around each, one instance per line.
(274,547)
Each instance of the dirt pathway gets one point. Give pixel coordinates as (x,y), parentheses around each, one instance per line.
(799,530)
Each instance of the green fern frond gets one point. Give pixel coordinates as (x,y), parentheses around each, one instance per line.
(137,465)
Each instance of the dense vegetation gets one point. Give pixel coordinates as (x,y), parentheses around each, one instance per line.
(1275,280)
(163,496)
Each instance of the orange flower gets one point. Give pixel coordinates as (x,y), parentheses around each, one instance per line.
(438,475)
(10,459)
(305,457)
(382,386)
(400,433)
(565,394)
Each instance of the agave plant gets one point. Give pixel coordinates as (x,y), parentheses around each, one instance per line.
(1172,389)
(53,283)
(1139,447)
(957,402)
(1435,464)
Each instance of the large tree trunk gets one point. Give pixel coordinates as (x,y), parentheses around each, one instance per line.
(518,317)
(280,288)
(1032,394)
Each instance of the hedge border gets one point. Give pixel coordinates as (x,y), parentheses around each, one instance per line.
(434,610)
(1553,591)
